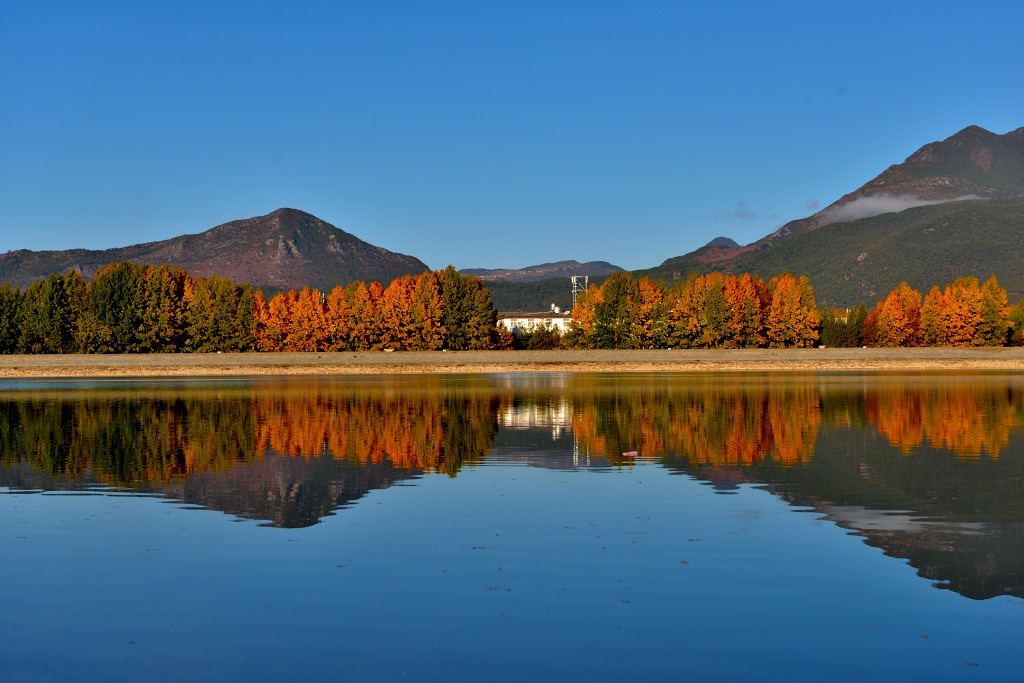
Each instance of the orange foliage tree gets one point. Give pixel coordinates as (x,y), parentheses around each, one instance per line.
(899,318)
(792,318)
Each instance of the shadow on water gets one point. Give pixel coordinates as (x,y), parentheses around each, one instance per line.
(929,468)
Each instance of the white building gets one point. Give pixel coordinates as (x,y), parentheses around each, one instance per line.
(528,322)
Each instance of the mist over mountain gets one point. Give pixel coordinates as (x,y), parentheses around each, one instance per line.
(953,208)
(971,164)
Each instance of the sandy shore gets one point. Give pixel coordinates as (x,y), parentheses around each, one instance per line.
(490,362)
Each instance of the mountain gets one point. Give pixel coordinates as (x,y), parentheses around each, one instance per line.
(283,250)
(543,271)
(952,208)
(972,164)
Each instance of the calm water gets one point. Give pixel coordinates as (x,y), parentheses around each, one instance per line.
(595,527)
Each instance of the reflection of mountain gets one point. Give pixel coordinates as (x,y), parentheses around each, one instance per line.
(283,490)
(287,491)
(233,446)
(947,450)
(959,521)
(976,560)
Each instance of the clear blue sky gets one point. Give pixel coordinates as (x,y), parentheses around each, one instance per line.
(482,134)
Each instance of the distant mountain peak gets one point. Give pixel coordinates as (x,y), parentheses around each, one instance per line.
(971,164)
(284,249)
(543,271)
(952,208)
(724,242)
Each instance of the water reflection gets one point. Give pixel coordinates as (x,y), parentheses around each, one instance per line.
(929,468)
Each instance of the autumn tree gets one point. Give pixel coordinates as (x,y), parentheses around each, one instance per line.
(581,325)
(337,320)
(273,321)
(364,316)
(685,303)
(163,317)
(870,329)
(899,318)
(963,312)
(308,330)
(650,324)
(746,298)
(792,317)
(396,313)
(427,328)
(712,312)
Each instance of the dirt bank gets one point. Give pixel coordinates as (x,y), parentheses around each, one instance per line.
(489,362)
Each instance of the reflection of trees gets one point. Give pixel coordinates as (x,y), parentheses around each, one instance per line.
(740,419)
(951,415)
(230,447)
(426,426)
(124,437)
(162,436)
(710,420)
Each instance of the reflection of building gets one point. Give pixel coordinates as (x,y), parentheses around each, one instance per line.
(554,415)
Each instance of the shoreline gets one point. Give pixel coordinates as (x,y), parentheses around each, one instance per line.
(80,366)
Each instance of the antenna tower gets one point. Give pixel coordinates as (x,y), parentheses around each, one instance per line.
(579,284)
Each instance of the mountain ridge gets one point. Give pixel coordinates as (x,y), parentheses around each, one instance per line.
(285,249)
(542,271)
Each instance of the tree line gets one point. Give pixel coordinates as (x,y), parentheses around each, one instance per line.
(132,308)
(963,313)
(726,311)
(701,312)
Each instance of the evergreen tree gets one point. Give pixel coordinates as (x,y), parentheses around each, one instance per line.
(50,312)
(117,302)
(482,320)
(11,313)
(455,309)
(615,315)
(855,321)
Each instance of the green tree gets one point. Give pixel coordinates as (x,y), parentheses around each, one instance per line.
(481,324)
(455,309)
(855,320)
(995,319)
(164,316)
(117,303)
(615,317)
(1016,333)
(11,313)
(50,313)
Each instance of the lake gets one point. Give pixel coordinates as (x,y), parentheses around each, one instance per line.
(513,527)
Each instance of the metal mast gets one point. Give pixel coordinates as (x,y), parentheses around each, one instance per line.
(576,288)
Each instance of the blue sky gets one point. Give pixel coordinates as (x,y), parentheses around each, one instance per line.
(481,134)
